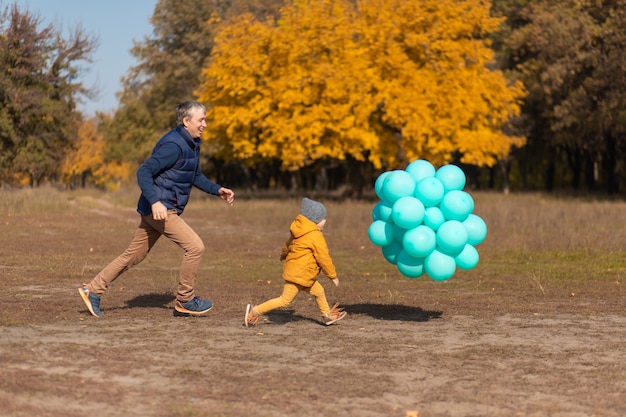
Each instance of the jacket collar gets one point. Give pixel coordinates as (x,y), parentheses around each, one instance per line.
(193,143)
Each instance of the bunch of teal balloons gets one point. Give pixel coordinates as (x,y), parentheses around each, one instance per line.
(424,222)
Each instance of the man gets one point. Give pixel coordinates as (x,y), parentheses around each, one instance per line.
(166,179)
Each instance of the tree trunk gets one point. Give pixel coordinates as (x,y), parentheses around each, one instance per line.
(505,176)
(611,167)
(355,177)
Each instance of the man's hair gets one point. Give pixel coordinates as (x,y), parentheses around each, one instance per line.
(186,109)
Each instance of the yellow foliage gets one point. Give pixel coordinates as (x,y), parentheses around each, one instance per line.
(387,80)
(88,158)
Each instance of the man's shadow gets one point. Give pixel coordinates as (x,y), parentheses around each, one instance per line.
(154,300)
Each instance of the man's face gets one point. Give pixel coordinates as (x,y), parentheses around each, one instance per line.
(196,123)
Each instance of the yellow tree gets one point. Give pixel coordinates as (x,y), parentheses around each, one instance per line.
(433,82)
(286,89)
(87,161)
(387,81)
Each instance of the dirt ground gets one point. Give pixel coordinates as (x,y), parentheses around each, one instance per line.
(482,344)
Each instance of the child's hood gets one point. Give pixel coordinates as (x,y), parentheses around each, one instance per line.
(301,226)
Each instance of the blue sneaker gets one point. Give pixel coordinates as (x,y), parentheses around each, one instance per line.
(92,302)
(195,306)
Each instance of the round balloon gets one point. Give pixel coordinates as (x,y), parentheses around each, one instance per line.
(378,185)
(398,184)
(376,212)
(391,251)
(429,191)
(407,212)
(476,229)
(398,233)
(420,169)
(468,258)
(434,218)
(409,266)
(451,176)
(380,233)
(457,205)
(419,242)
(439,266)
(382,211)
(451,237)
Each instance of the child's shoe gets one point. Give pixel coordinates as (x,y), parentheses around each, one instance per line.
(334,315)
(251,318)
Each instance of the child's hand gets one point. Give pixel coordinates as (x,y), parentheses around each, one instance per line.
(335,281)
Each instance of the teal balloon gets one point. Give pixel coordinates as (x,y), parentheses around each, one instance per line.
(476,229)
(451,237)
(378,185)
(419,242)
(398,184)
(407,212)
(376,212)
(457,205)
(452,177)
(410,266)
(429,191)
(420,169)
(434,218)
(468,258)
(382,211)
(439,266)
(391,251)
(398,233)
(380,233)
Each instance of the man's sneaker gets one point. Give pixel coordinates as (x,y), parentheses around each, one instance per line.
(92,301)
(195,306)
(251,318)
(334,315)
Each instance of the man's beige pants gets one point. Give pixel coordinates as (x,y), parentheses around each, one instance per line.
(148,232)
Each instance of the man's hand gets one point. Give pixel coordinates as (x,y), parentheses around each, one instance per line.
(335,281)
(227,194)
(159,211)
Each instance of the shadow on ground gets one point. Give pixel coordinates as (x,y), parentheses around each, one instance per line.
(153,300)
(283,316)
(392,312)
(377,311)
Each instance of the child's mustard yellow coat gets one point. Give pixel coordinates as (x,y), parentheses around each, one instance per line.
(306,254)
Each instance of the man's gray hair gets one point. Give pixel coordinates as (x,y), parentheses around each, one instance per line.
(186,109)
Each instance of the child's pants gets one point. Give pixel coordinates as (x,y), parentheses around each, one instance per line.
(290,291)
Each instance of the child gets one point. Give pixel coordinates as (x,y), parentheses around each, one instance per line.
(305,254)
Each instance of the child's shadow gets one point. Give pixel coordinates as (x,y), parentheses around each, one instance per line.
(392,312)
(377,311)
(283,316)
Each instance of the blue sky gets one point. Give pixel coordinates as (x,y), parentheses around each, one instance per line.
(116,23)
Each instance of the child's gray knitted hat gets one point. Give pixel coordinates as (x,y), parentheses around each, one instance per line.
(313,210)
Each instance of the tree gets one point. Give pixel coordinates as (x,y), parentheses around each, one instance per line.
(379,81)
(38,95)
(569,54)
(168,73)
(87,163)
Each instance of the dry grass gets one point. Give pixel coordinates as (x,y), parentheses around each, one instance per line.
(536,245)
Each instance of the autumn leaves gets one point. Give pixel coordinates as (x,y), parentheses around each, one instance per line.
(387,81)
